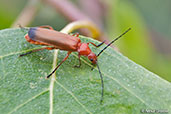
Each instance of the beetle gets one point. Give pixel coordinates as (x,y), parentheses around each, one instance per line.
(46,35)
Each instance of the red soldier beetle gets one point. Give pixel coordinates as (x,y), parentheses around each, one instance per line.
(71,43)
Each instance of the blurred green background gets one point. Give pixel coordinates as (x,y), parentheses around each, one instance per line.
(148,44)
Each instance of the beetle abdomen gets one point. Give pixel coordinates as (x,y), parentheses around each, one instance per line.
(53,38)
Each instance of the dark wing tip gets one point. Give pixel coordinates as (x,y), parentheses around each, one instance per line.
(32,32)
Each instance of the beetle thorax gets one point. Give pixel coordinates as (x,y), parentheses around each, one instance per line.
(83,49)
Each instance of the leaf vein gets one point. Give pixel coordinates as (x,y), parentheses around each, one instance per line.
(29,100)
(69,92)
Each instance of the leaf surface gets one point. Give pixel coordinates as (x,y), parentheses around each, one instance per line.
(129,88)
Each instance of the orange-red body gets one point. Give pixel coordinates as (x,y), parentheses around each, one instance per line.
(58,40)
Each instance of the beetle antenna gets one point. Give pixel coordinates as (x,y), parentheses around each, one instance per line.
(113,41)
(102,84)
(22,28)
(20,25)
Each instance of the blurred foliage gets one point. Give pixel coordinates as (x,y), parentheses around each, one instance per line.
(48,16)
(133,43)
(142,16)
(139,46)
(156,14)
(9,10)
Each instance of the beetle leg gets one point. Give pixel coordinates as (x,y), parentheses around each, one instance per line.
(59,64)
(46,26)
(48,48)
(78,66)
(76,34)
(95,44)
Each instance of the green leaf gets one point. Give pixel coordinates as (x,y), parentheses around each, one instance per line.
(129,88)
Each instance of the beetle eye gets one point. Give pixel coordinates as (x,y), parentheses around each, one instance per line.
(91,59)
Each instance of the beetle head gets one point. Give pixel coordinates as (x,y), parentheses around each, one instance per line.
(92,57)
